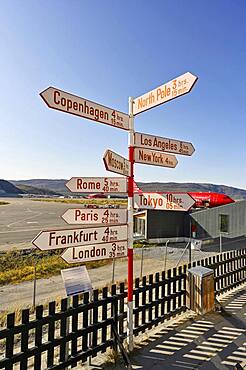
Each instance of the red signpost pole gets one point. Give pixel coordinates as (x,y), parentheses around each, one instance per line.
(130,229)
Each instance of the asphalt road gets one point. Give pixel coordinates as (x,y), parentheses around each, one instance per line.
(23,219)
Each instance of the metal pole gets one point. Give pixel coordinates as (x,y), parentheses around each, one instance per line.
(130,229)
(113,270)
(34,284)
(165,260)
(190,245)
(141,269)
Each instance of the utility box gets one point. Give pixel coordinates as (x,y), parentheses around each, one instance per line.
(200,289)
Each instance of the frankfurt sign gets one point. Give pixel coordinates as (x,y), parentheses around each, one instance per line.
(163,144)
(95,252)
(55,239)
(163,201)
(116,163)
(164,93)
(84,216)
(68,103)
(153,158)
(97,185)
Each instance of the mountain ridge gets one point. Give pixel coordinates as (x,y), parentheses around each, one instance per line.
(58,186)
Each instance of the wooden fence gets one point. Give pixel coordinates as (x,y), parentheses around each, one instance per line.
(82,326)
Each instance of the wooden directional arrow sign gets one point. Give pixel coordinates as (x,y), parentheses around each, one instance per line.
(164,201)
(97,185)
(55,239)
(115,163)
(147,156)
(84,216)
(163,144)
(95,252)
(68,103)
(162,94)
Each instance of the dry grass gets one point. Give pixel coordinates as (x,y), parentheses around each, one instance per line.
(99,202)
(16,267)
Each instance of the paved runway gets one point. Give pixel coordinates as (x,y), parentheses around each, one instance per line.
(22,219)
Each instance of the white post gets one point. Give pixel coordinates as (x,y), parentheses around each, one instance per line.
(130,229)
(220,242)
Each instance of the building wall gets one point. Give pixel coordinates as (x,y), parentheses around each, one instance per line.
(207,221)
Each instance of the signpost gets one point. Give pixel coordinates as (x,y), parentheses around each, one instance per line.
(95,252)
(179,86)
(116,163)
(153,158)
(112,241)
(164,201)
(68,103)
(97,184)
(163,144)
(84,216)
(55,239)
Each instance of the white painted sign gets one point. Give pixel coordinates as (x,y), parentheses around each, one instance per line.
(68,103)
(116,163)
(55,239)
(153,158)
(162,94)
(76,280)
(97,184)
(163,144)
(164,201)
(84,216)
(95,252)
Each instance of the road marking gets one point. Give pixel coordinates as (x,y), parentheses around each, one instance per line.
(24,219)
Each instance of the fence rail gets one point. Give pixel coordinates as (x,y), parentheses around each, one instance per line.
(82,326)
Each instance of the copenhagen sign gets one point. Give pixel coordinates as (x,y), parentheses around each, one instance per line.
(95,252)
(68,103)
(97,184)
(164,93)
(55,239)
(84,216)
(163,144)
(147,156)
(164,201)
(116,163)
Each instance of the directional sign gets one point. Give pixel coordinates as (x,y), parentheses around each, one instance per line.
(164,201)
(162,94)
(147,156)
(68,103)
(55,239)
(85,216)
(95,252)
(163,144)
(115,163)
(97,184)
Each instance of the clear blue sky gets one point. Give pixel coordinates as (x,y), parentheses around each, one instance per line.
(106,51)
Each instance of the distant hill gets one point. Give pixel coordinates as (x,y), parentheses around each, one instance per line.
(234,193)
(27,189)
(58,186)
(8,189)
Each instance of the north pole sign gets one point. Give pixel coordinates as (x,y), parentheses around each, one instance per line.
(116,163)
(69,103)
(55,239)
(84,216)
(97,185)
(95,252)
(163,201)
(163,144)
(146,156)
(164,93)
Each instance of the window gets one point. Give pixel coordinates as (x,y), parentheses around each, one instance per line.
(224,223)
